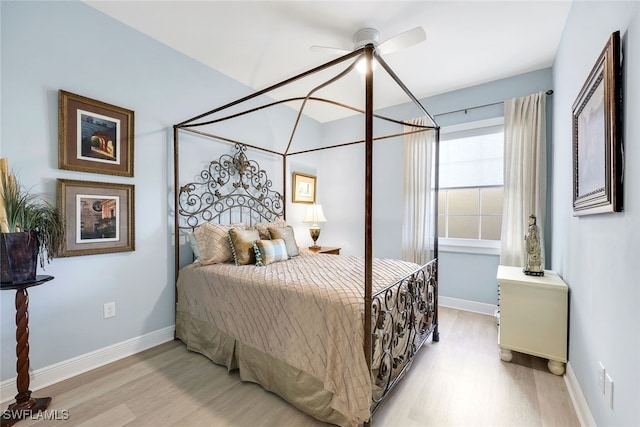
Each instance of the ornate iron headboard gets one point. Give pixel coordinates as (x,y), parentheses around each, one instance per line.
(231,189)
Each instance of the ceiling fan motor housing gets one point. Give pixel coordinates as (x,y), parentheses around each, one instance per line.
(365,36)
(370,36)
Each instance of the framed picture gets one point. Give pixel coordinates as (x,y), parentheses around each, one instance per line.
(94,136)
(99,217)
(597,136)
(304,188)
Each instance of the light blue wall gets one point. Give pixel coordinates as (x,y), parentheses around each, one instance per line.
(47,46)
(597,256)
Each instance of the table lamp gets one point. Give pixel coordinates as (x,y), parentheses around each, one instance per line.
(314,215)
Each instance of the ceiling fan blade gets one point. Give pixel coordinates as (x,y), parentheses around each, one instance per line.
(331,50)
(408,38)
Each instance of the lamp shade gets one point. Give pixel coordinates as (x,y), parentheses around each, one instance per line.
(314,214)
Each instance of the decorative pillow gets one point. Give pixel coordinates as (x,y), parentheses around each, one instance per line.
(195,248)
(269,251)
(286,234)
(263,226)
(213,242)
(242,245)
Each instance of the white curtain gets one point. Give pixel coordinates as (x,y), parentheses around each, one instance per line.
(525,172)
(417,194)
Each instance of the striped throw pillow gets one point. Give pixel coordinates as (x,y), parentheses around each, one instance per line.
(269,251)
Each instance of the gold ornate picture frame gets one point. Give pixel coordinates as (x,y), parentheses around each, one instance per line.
(94,136)
(99,217)
(304,188)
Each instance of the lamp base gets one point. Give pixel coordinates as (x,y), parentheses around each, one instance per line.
(315,247)
(315,233)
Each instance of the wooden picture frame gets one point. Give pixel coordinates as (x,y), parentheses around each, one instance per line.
(304,188)
(94,136)
(99,217)
(598,162)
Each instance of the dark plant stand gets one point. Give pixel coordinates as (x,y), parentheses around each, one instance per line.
(25,405)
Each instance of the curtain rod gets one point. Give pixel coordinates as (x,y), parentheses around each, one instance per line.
(549,92)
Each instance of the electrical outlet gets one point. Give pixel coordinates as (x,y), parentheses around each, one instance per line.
(109,309)
(608,390)
(601,373)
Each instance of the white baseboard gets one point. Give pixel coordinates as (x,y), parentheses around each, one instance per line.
(466,305)
(577,398)
(60,371)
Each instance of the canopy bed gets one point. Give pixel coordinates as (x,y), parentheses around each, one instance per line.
(330,334)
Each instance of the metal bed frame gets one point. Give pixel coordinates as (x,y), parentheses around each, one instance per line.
(397,319)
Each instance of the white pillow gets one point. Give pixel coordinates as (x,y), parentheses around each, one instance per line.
(193,242)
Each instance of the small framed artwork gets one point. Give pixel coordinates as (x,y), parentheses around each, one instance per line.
(304,188)
(99,217)
(598,161)
(94,136)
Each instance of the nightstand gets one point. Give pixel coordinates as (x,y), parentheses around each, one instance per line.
(326,250)
(533,316)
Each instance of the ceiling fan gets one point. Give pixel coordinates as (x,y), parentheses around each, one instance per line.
(365,36)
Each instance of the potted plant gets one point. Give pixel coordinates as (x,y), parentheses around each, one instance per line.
(31,228)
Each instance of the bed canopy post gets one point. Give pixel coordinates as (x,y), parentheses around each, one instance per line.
(368,236)
(284,185)
(176,230)
(436,185)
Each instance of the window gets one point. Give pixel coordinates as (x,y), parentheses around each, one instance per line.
(471,186)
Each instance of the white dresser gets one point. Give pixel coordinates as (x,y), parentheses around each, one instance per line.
(533,316)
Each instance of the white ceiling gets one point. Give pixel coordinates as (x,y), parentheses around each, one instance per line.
(261,43)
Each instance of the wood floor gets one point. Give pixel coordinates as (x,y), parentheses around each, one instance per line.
(459,381)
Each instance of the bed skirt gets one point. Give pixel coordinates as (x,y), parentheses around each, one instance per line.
(302,390)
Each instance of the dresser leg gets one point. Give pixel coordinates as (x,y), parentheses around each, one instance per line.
(556,368)
(506,355)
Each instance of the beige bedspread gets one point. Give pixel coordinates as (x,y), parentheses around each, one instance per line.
(307,312)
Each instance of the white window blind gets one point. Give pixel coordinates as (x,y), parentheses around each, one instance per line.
(472,157)
(471,186)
